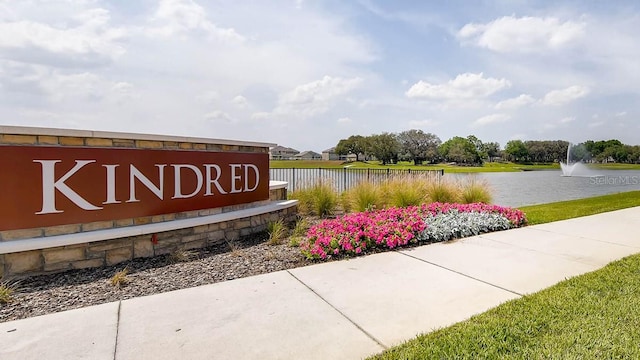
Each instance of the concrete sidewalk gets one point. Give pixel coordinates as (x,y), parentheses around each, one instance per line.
(339,310)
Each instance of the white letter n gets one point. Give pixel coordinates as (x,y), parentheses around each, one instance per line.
(50,185)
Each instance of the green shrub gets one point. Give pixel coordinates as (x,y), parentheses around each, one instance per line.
(475,191)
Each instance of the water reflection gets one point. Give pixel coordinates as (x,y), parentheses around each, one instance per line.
(537,187)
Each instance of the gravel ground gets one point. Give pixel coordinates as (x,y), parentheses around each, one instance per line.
(79,288)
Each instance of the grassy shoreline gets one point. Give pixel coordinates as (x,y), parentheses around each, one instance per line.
(589,316)
(562,210)
(487,167)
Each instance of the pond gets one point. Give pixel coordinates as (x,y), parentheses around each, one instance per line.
(537,187)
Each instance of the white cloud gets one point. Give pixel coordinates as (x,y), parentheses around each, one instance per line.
(465,86)
(261,115)
(567,119)
(316,97)
(422,123)
(515,103)
(621,114)
(491,119)
(90,43)
(564,96)
(218,116)
(240,101)
(345,120)
(525,34)
(176,17)
(209,97)
(595,124)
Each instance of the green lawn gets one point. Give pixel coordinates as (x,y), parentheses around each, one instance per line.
(596,315)
(538,214)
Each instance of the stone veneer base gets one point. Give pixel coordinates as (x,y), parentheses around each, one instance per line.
(42,255)
(27,252)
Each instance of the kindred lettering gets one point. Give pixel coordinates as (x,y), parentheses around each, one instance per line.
(207,182)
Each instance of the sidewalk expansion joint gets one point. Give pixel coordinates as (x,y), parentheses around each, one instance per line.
(369,335)
(460,273)
(115,345)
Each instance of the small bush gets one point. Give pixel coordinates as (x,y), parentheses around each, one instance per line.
(277,231)
(7,290)
(120,279)
(234,248)
(475,191)
(301,227)
(180,255)
(443,191)
(294,241)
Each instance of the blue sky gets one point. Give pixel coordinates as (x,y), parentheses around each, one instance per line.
(305,74)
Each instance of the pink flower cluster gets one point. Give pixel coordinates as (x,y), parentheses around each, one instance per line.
(354,233)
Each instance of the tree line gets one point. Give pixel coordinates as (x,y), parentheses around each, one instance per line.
(420,147)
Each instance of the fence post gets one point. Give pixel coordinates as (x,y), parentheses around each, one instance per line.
(293,180)
(344,179)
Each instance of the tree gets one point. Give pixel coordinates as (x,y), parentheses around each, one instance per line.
(384,147)
(492,149)
(459,150)
(419,146)
(355,144)
(516,150)
(477,143)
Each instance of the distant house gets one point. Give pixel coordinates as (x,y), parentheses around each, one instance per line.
(308,155)
(330,154)
(282,153)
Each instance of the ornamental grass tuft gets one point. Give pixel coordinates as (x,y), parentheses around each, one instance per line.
(277,231)
(444,191)
(406,191)
(319,199)
(475,190)
(7,291)
(362,197)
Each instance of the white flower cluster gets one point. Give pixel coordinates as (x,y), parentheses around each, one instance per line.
(454,224)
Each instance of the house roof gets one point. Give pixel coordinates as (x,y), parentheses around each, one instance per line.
(308,152)
(330,150)
(284,149)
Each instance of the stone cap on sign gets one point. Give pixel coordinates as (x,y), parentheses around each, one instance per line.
(24,130)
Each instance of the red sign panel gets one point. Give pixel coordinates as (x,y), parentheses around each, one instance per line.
(47,186)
